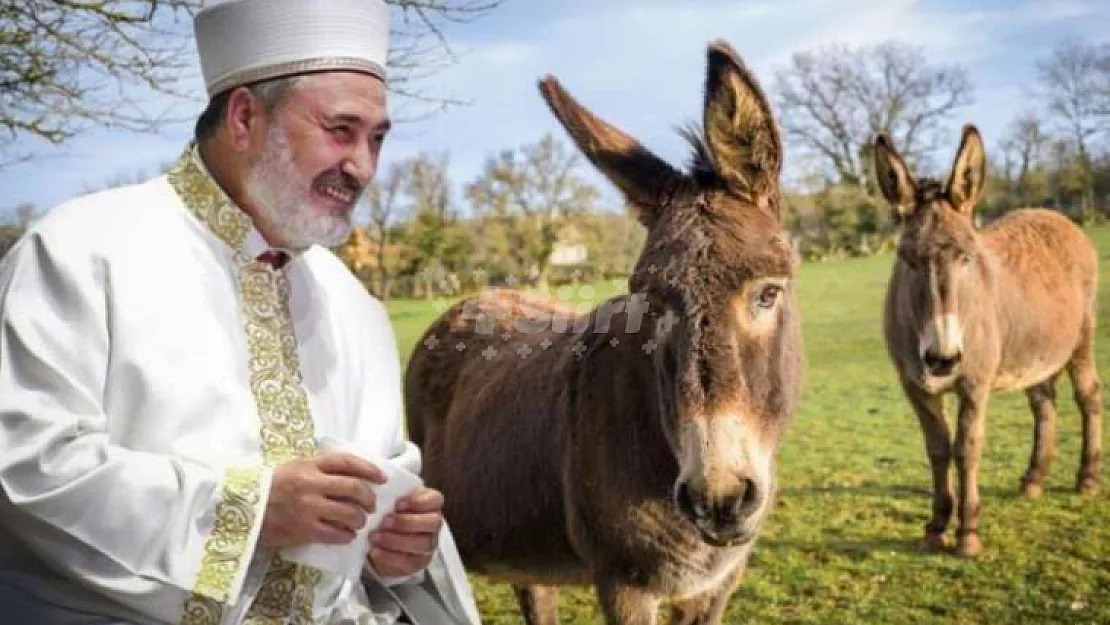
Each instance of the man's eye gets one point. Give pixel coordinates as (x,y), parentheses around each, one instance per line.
(768,296)
(341,133)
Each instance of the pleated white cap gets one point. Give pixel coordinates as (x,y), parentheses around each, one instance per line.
(243,41)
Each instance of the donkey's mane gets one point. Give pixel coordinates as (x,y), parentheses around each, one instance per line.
(929,190)
(700,166)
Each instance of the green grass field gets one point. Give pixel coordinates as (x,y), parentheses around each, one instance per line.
(843,545)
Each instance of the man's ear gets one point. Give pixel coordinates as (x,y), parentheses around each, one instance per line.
(244,119)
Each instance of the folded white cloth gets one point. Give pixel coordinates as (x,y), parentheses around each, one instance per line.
(348,559)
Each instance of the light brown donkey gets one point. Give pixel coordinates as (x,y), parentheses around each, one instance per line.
(972,311)
(630,448)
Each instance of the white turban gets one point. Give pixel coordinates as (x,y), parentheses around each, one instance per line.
(244,41)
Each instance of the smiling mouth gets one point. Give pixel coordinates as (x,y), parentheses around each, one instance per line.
(338,193)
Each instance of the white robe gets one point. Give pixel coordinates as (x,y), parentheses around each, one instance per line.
(152,374)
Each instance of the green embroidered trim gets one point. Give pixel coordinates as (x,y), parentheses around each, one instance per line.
(239,506)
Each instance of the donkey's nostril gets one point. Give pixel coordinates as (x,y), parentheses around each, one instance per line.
(749,501)
(743,506)
(693,504)
(941,365)
(723,512)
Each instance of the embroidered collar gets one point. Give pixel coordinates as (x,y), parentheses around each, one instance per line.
(207,201)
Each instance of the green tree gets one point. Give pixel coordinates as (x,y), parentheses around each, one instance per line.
(440,248)
(1074,83)
(530,193)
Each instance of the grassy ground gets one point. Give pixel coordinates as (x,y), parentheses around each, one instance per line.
(843,544)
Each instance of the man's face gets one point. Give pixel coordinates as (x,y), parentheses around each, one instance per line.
(319,152)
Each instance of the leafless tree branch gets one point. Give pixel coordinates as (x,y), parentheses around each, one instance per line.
(833,101)
(67,66)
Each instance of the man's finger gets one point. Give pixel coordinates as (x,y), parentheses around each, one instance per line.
(343,515)
(392,564)
(410,523)
(412,544)
(423,500)
(340,463)
(330,535)
(348,488)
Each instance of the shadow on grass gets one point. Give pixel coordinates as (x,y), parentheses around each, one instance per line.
(866,489)
(852,548)
(871,519)
(904,492)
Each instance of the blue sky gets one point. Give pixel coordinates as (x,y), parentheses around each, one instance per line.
(639,64)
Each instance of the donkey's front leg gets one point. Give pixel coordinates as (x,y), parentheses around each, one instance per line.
(938,445)
(625,605)
(970,434)
(538,604)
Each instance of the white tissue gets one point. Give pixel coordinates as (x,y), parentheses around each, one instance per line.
(347,559)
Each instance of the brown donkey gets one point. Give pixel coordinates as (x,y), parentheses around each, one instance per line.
(596,449)
(973,311)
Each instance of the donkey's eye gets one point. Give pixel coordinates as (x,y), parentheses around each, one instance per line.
(768,296)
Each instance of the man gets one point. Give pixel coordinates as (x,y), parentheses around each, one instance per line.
(172,352)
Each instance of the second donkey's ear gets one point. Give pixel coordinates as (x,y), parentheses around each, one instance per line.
(740,129)
(969,171)
(894,178)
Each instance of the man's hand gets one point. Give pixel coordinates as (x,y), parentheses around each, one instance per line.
(323,499)
(406,539)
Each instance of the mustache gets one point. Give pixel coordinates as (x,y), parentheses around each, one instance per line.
(341,179)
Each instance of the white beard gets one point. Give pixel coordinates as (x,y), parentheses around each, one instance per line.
(284,198)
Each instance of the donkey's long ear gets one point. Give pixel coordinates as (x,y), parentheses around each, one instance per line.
(895,180)
(644,178)
(969,172)
(740,131)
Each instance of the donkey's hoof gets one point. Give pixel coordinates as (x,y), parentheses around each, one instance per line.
(936,541)
(969,546)
(1087,486)
(1032,490)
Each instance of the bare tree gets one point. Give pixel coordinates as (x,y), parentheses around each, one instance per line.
(67,64)
(1024,146)
(419,49)
(1071,81)
(1074,83)
(440,246)
(834,100)
(70,65)
(533,190)
(385,207)
(428,186)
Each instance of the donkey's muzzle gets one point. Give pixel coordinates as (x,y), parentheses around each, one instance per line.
(721,519)
(941,364)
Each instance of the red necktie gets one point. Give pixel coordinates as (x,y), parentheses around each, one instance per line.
(274,258)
